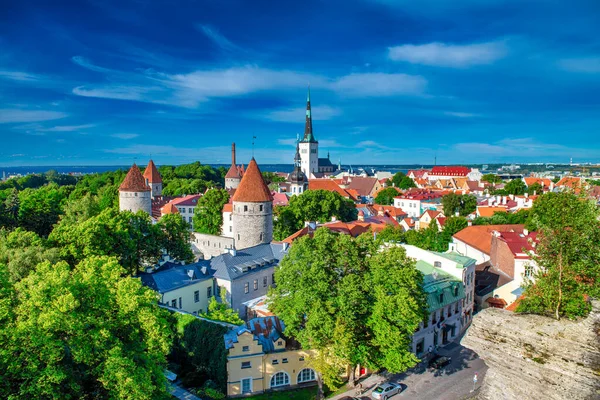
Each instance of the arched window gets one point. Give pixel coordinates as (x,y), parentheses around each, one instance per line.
(306,375)
(280,379)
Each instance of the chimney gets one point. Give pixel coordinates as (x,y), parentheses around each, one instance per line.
(469,223)
(526,195)
(504,200)
(232,251)
(285,245)
(456,214)
(190,273)
(361,215)
(232,153)
(525,232)
(381,211)
(511,196)
(498,199)
(535,192)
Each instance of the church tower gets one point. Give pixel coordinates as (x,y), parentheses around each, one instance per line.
(309,147)
(153,180)
(298,181)
(134,194)
(233,177)
(252,210)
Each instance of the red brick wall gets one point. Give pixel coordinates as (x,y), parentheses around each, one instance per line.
(501,257)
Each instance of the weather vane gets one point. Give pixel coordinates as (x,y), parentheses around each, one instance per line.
(253,137)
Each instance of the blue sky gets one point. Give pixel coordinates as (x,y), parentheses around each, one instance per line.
(111,82)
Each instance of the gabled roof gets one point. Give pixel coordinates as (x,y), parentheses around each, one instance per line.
(480,236)
(570,182)
(327,184)
(266,330)
(191,200)
(545,182)
(252,187)
(169,208)
(418,173)
(176,276)
(450,171)
(280,199)
(134,181)
(246,261)
(363,185)
(519,243)
(152,174)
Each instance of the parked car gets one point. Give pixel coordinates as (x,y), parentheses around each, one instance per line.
(355,398)
(386,390)
(439,361)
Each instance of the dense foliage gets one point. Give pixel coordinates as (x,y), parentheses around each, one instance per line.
(220,311)
(491,178)
(430,238)
(312,205)
(401,181)
(516,187)
(199,353)
(208,215)
(353,303)
(190,178)
(386,196)
(463,204)
(568,256)
(83,332)
(503,218)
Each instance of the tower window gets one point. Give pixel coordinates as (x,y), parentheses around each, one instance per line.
(261,207)
(245,208)
(261,237)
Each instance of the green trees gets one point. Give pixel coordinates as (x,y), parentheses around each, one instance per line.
(39,209)
(386,196)
(221,311)
(401,181)
(463,204)
(199,351)
(343,289)
(312,205)
(491,178)
(208,215)
(132,238)
(190,178)
(516,187)
(81,333)
(535,188)
(568,256)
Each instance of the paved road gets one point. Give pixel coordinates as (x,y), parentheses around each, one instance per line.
(181,393)
(453,382)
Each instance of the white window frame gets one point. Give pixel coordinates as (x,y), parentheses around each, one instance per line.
(312,375)
(248,379)
(286,381)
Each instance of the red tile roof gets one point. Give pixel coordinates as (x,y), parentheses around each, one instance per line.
(169,208)
(545,182)
(518,243)
(449,171)
(480,236)
(228,207)
(487,211)
(233,172)
(417,173)
(151,173)
(189,200)
(134,181)
(570,182)
(432,213)
(327,184)
(280,199)
(252,187)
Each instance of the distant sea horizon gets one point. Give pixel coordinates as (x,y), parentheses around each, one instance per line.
(91,169)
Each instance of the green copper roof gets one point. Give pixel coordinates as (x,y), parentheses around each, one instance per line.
(308,129)
(463,261)
(436,282)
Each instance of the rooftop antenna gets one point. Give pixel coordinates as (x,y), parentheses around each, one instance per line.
(253,137)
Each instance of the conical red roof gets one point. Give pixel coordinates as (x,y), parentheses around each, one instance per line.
(233,172)
(134,181)
(152,174)
(252,187)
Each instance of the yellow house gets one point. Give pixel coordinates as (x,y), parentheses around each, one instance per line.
(185,287)
(260,358)
(428,216)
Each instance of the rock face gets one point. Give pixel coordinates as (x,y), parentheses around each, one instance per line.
(534,357)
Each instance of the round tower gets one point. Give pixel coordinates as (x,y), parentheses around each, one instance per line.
(233,177)
(252,210)
(153,180)
(298,180)
(134,194)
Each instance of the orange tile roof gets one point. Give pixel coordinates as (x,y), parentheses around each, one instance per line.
(169,208)
(252,187)
(513,307)
(432,213)
(228,208)
(545,182)
(327,184)
(480,236)
(487,211)
(151,173)
(134,181)
(570,182)
(233,173)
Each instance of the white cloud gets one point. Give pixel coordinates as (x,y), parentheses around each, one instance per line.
(220,40)
(68,128)
(85,63)
(324,143)
(125,136)
(449,55)
(13,115)
(19,76)
(319,113)
(590,65)
(379,84)
(461,114)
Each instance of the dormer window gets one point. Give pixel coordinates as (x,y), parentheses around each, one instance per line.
(280,343)
(456,290)
(441,297)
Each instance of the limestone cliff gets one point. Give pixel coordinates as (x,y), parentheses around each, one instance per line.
(533,357)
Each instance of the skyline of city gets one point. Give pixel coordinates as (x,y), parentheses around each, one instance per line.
(392,83)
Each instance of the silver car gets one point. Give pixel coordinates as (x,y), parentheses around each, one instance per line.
(386,390)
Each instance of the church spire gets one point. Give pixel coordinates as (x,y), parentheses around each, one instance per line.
(308,129)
